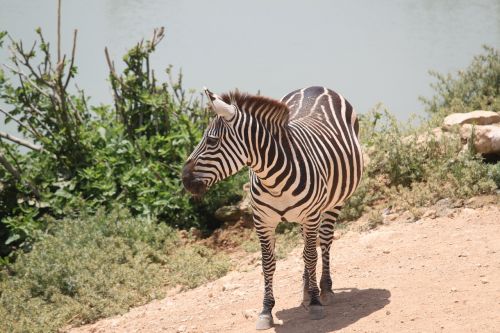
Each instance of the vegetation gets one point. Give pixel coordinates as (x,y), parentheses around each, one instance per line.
(411,167)
(129,154)
(476,88)
(96,266)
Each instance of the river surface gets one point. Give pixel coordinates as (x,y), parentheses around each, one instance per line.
(370,51)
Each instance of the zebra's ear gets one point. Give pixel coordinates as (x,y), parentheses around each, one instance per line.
(219,106)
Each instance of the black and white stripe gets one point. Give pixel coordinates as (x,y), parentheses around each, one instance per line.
(305,160)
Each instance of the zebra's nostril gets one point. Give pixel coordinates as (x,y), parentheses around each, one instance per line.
(195,186)
(187,178)
(191,183)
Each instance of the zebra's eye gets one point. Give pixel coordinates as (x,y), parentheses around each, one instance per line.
(212,141)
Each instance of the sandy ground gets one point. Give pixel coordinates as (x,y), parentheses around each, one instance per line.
(433,275)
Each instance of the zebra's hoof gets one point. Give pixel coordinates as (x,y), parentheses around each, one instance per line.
(326,297)
(264,322)
(316,312)
(306,299)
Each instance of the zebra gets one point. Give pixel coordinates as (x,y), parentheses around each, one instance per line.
(305,160)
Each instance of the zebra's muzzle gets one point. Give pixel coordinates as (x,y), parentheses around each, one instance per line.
(192,184)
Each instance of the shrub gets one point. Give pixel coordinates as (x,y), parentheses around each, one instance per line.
(477,87)
(97,266)
(410,166)
(130,153)
(365,195)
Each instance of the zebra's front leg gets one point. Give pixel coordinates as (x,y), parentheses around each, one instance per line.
(326,230)
(310,258)
(267,241)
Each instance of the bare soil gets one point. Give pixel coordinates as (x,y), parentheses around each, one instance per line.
(434,275)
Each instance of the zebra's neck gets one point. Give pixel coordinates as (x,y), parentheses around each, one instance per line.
(268,156)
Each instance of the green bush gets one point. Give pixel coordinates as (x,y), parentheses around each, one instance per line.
(475,88)
(129,153)
(97,266)
(410,166)
(366,194)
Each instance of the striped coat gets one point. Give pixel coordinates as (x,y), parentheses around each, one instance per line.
(305,160)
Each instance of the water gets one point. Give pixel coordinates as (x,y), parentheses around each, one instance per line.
(370,51)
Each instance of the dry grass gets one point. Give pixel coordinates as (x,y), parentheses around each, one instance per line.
(95,267)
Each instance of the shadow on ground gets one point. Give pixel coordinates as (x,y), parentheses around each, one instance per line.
(348,306)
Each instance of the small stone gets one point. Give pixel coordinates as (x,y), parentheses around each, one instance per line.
(390,217)
(386,251)
(446,202)
(249,314)
(484,281)
(430,213)
(445,212)
(181,329)
(407,216)
(453,290)
(388,312)
(228,213)
(462,255)
(196,233)
(229,287)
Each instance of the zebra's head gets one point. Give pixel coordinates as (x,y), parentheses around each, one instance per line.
(220,153)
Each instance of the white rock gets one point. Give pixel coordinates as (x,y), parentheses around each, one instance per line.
(486,137)
(478,117)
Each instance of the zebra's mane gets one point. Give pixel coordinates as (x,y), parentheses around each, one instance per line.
(258,106)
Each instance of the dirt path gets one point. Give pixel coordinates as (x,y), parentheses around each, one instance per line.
(435,275)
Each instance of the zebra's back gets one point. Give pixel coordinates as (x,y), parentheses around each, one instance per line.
(323,104)
(325,125)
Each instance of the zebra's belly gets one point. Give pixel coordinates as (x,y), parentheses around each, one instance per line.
(290,208)
(303,207)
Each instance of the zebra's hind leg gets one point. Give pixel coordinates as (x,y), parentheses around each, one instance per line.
(310,258)
(326,229)
(306,298)
(267,241)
